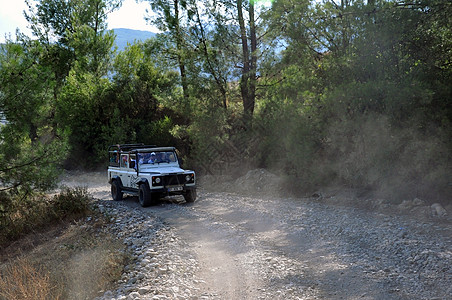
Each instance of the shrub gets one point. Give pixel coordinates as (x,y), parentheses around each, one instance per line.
(19,215)
(398,163)
(71,201)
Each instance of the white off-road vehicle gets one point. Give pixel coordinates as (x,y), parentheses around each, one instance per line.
(148,172)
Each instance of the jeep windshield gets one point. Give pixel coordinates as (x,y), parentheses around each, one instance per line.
(156,157)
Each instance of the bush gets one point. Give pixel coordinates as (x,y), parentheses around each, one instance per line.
(71,202)
(19,215)
(396,162)
(394,159)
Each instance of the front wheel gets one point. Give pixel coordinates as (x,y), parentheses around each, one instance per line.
(116,192)
(144,195)
(190,196)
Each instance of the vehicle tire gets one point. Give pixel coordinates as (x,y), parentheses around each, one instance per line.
(144,195)
(190,196)
(116,192)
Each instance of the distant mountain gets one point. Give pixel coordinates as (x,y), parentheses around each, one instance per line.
(124,36)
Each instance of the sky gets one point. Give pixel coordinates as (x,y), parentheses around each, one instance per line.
(130,15)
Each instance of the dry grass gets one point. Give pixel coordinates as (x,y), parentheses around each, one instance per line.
(68,261)
(22,281)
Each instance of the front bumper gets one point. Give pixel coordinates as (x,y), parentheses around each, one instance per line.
(173,189)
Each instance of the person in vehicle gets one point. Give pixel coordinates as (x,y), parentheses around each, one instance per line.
(152,159)
(133,162)
(160,157)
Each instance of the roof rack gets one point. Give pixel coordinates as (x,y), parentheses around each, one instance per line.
(128,147)
(153,148)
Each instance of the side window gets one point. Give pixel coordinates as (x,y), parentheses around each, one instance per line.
(114,158)
(133,161)
(124,160)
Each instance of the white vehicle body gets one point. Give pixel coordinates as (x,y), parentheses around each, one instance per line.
(149,172)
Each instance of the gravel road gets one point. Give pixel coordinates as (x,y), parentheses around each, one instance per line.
(230,246)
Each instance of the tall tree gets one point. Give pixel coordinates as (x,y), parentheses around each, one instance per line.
(169,19)
(238,18)
(249,56)
(30,148)
(210,55)
(78,51)
(73,30)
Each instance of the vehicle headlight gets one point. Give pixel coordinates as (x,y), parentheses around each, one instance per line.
(156,180)
(189,178)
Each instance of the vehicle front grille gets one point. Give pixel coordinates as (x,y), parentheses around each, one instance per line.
(174,179)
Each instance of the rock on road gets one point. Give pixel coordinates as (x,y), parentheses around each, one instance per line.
(230,246)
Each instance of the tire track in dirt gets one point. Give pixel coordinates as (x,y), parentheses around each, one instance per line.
(282,248)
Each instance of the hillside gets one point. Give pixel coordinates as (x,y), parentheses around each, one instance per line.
(124,36)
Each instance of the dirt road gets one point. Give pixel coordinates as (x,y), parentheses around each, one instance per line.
(285,248)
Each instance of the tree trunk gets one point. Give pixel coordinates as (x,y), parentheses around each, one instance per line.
(253,64)
(179,46)
(248,105)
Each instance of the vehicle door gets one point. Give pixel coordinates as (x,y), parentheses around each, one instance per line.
(132,174)
(124,173)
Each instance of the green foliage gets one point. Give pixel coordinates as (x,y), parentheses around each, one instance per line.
(355,97)
(25,96)
(346,92)
(20,215)
(208,135)
(71,201)
(147,97)
(28,167)
(31,148)
(130,108)
(157,132)
(397,163)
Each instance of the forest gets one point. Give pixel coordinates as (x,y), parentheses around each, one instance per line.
(351,93)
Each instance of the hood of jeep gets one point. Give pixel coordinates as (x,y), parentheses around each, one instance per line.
(163,170)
